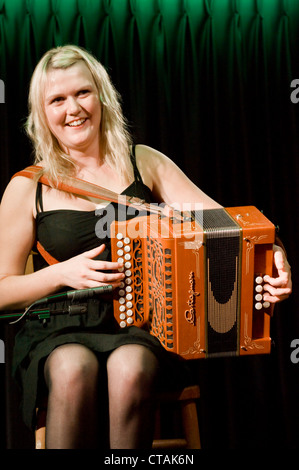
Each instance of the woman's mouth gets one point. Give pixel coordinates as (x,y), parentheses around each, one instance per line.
(76,123)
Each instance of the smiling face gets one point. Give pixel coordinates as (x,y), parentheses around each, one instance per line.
(73,109)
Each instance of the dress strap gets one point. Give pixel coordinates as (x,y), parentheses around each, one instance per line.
(137,175)
(39,198)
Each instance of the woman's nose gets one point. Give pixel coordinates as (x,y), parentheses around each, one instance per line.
(73,107)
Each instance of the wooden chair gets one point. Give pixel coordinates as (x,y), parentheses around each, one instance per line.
(182,403)
(181,420)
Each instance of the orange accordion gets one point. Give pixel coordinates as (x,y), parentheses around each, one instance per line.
(197,284)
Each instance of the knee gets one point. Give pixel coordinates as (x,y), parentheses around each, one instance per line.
(70,372)
(134,379)
(138,379)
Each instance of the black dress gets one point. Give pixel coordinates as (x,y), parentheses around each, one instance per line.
(67,233)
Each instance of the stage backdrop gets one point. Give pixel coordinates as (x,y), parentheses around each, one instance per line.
(208,82)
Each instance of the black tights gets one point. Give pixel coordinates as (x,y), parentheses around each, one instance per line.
(74,377)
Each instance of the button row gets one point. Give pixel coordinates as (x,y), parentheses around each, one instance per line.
(125,290)
(259,280)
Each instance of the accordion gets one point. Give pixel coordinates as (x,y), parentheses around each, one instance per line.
(197,283)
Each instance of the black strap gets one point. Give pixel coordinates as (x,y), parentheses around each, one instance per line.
(137,175)
(39,198)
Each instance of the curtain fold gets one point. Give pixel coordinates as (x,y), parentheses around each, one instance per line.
(159,99)
(186,92)
(209,86)
(134,74)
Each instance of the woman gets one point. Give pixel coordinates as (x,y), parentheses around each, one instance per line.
(77,128)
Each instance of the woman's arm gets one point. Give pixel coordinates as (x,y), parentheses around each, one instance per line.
(170,185)
(17,236)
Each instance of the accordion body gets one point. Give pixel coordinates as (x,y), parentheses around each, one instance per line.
(197,284)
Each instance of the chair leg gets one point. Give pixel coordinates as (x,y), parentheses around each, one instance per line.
(40,430)
(189,419)
(190,424)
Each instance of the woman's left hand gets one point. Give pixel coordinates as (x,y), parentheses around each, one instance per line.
(278,288)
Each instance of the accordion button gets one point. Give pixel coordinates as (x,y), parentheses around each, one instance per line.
(128,281)
(266,304)
(129,320)
(129,313)
(121,270)
(129,304)
(128,264)
(127,240)
(122,316)
(122,308)
(258,297)
(259,288)
(127,248)
(129,289)
(129,297)
(122,324)
(259,279)
(119,236)
(121,293)
(119,244)
(127,256)
(120,252)
(121,300)
(258,306)
(128,273)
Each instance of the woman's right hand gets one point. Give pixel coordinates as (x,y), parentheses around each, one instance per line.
(84,272)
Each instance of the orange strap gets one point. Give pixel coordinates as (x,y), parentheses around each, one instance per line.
(80,188)
(83,188)
(49,258)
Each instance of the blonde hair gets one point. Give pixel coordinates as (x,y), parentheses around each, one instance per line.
(114,136)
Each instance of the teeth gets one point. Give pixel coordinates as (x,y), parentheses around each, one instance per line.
(76,123)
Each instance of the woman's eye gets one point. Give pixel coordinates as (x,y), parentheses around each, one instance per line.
(83,92)
(58,99)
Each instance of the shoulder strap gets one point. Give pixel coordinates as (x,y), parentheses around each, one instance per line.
(83,188)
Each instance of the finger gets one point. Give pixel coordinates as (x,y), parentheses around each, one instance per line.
(94,251)
(105,265)
(280,260)
(91,284)
(282,267)
(275,298)
(105,277)
(277,292)
(281,281)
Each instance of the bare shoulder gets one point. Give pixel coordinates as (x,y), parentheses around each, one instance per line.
(151,164)
(149,156)
(167,181)
(18,193)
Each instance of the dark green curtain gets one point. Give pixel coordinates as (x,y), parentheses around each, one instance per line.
(208,83)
